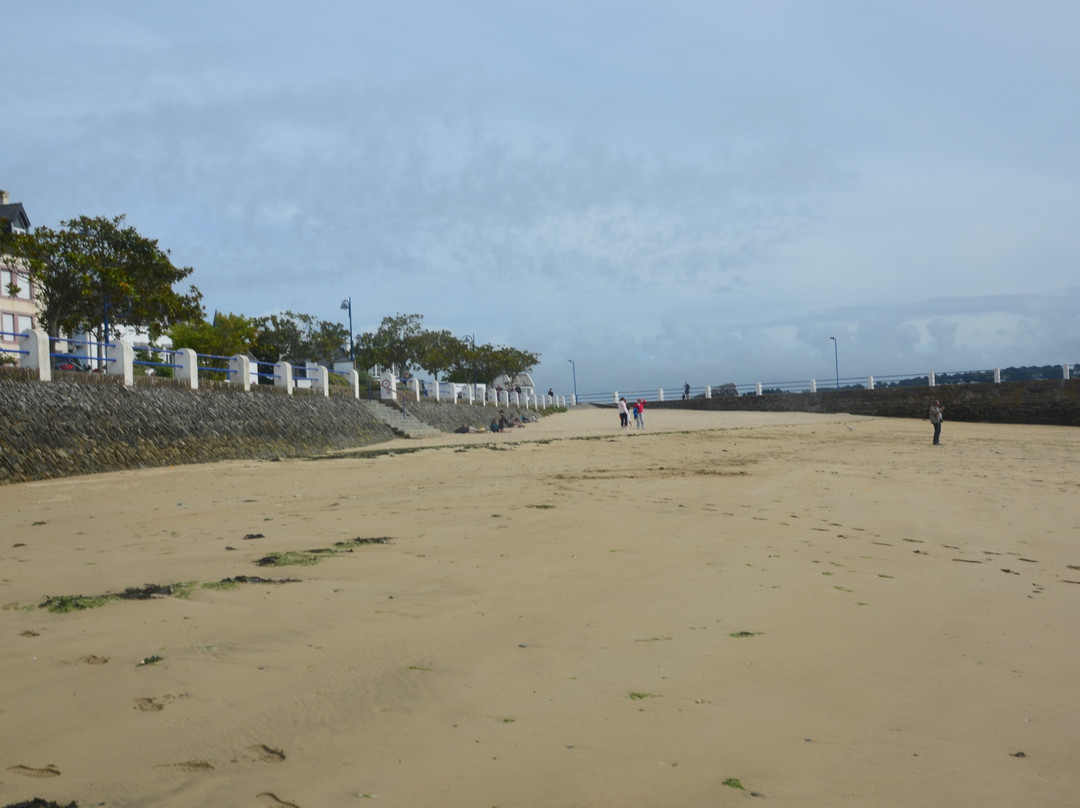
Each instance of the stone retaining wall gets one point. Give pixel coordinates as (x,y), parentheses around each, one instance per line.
(65,428)
(1055,402)
(449,417)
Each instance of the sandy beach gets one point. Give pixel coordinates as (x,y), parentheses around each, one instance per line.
(723,609)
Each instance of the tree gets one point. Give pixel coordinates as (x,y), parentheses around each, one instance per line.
(485,363)
(437,351)
(296,338)
(514,362)
(228,335)
(96,270)
(396,344)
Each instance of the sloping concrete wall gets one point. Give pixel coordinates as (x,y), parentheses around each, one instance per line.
(63,428)
(1054,402)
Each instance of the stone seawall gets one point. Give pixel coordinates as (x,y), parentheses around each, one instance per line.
(1053,402)
(449,416)
(65,428)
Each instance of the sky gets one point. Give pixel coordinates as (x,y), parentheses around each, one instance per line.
(695,190)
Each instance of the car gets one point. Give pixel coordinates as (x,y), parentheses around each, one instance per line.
(71,363)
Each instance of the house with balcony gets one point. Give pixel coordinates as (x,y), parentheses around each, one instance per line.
(18,300)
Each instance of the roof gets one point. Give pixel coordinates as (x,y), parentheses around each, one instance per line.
(14,215)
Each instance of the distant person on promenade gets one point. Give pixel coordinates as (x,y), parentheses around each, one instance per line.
(686,391)
(551,392)
(937,415)
(624,414)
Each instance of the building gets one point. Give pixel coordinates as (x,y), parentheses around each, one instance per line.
(18,301)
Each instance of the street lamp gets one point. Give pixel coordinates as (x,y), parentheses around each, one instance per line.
(836,357)
(472,357)
(346,304)
(573,367)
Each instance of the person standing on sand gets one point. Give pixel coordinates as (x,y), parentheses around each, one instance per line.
(937,415)
(686,391)
(624,414)
(639,413)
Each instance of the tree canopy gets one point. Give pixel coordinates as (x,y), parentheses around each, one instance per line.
(292,337)
(226,335)
(397,343)
(93,270)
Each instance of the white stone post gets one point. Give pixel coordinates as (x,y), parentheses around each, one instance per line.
(660,394)
(469,389)
(122,357)
(813,385)
(997,375)
(36,344)
(1065,371)
(388,386)
(240,371)
(757,389)
(321,382)
(615,397)
(283,377)
(188,370)
(708,391)
(931,378)
(870,382)
(354,380)
(414,384)
(437,387)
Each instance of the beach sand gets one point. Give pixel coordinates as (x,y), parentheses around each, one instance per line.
(823,610)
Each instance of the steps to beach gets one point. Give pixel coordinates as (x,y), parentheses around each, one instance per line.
(403,424)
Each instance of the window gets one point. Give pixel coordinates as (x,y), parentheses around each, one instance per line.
(26,323)
(7,325)
(21,280)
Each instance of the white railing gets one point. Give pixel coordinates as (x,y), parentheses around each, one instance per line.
(930,379)
(34,353)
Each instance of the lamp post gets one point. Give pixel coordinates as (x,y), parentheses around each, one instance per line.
(836,357)
(346,304)
(472,359)
(573,367)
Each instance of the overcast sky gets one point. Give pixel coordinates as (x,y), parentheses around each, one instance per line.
(663,192)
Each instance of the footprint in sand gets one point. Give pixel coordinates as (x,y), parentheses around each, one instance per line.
(30,771)
(265,754)
(152,705)
(188,766)
(93,659)
(267,798)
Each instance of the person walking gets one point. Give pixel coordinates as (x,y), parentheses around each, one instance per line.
(937,415)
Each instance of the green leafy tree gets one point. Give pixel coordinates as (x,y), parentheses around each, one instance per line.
(437,351)
(514,362)
(95,269)
(291,337)
(227,335)
(397,343)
